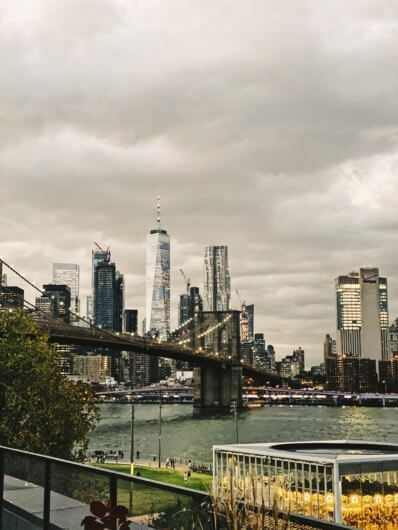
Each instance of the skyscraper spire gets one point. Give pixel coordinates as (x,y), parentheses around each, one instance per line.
(158,212)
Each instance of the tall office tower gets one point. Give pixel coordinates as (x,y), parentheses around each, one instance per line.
(97,256)
(184,309)
(362,314)
(196,300)
(244,324)
(299,355)
(119,301)
(105,296)
(260,353)
(158,280)
(56,300)
(250,322)
(329,347)
(68,274)
(217,283)
(130,321)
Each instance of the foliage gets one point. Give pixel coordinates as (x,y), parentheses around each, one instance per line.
(106,516)
(41,411)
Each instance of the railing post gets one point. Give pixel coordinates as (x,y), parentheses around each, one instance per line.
(1,487)
(113,490)
(47,495)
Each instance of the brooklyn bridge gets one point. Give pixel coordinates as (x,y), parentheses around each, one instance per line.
(209,342)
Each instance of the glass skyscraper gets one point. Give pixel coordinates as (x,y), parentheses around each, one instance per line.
(362,314)
(217,283)
(68,274)
(158,281)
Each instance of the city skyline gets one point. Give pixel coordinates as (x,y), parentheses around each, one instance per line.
(271,131)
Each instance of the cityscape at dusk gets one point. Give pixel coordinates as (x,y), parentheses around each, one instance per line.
(198,265)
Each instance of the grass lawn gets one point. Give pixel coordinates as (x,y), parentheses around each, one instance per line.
(149,500)
(197,481)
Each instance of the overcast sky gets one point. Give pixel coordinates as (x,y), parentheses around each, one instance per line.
(268,126)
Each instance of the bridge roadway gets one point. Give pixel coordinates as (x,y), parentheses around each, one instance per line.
(63,333)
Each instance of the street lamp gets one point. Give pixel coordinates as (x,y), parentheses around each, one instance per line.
(160,430)
(235,411)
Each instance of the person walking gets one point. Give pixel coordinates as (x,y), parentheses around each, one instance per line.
(185,476)
(167,462)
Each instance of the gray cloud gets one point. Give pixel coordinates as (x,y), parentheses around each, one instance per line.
(270,127)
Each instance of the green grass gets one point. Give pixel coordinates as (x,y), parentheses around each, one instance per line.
(197,481)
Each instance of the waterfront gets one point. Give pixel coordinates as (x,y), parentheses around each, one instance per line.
(189,433)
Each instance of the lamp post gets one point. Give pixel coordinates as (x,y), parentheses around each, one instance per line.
(132,420)
(235,411)
(160,430)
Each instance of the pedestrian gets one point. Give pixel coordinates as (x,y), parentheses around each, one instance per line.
(167,462)
(189,464)
(185,476)
(173,463)
(188,473)
(137,455)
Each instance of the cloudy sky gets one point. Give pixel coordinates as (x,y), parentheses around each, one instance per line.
(269,126)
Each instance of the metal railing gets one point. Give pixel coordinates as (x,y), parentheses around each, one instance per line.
(52,494)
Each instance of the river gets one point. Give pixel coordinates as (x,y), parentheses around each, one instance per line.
(190,433)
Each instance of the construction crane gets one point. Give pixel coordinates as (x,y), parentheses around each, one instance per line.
(187,280)
(240,299)
(107,251)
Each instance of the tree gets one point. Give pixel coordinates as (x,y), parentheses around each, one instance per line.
(40,410)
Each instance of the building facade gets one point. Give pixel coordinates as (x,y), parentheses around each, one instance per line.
(362,314)
(130,321)
(217,283)
(105,296)
(158,281)
(250,321)
(68,274)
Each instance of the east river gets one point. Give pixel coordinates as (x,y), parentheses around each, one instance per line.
(189,433)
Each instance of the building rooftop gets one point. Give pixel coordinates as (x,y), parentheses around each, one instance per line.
(330,450)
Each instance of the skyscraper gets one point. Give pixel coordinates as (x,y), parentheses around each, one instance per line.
(107,291)
(130,321)
(56,300)
(68,274)
(362,314)
(217,284)
(250,321)
(97,256)
(158,280)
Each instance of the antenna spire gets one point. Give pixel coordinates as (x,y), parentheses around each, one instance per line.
(158,211)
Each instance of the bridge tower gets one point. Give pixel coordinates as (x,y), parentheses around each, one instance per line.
(217,332)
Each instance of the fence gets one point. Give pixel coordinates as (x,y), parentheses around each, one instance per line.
(39,492)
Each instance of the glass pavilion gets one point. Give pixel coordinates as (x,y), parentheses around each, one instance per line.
(350,482)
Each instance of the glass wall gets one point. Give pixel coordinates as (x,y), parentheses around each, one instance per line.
(370,495)
(291,486)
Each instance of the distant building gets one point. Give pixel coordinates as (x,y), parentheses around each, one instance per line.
(260,352)
(184,309)
(393,339)
(158,281)
(247,352)
(55,301)
(196,300)
(97,256)
(217,283)
(289,366)
(95,368)
(329,347)
(362,314)
(250,321)
(130,320)
(105,296)
(11,297)
(388,371)
(119,302)
(299,354)
(244,323)
(68,274)
(347,373)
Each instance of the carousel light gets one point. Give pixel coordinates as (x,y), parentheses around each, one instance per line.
(378,498)
(354,499)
